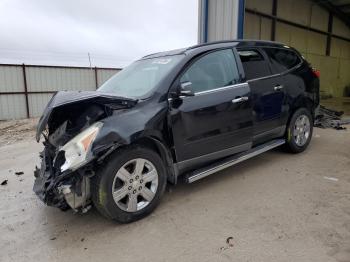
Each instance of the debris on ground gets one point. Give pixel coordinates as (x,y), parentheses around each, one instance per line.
(331,178)
(328,118)
(229,241)
(19,173)
(53,238)
(4,183)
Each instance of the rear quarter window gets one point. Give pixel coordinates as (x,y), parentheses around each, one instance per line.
(282,60)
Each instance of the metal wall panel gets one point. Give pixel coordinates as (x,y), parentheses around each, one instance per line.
(222,20)
(257,27)
(295,10)
(301,39)
(42,83)
(12,107)
(340,28)
(55,79)
(343,76)
(316,43)
(11,79)
(261,6)
(37,103)
(104,74)
(340,48)
(319,18)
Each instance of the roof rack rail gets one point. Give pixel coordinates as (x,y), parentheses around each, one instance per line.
(235,41)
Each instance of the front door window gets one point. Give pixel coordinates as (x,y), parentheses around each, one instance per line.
(214,70)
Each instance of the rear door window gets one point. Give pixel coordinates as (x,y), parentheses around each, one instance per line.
(211,71)
(254,64)
(282,59)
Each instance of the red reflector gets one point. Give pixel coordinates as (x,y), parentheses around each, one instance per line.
(316,72)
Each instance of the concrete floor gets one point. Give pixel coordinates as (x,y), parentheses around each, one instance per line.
(277,207)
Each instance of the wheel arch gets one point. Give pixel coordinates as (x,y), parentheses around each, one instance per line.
(302,102)
(162,150)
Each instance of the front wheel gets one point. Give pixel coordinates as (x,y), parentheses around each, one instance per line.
(299,131)
(130,185)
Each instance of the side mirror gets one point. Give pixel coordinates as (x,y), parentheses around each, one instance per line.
(185,89)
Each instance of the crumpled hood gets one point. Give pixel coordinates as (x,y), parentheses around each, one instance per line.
(70,97)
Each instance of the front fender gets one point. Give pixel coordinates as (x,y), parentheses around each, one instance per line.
(127,126)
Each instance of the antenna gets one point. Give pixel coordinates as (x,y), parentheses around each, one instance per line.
(89,60)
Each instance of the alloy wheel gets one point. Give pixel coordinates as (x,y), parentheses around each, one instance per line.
(301,130)
(135,185)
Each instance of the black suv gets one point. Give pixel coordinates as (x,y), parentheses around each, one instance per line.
(189,112)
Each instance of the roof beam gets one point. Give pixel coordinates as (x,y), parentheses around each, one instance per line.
(335,10)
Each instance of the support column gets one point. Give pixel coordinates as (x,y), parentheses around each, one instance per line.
(274,20)
(329,36)
(240,22)
(25,89)
(96,78)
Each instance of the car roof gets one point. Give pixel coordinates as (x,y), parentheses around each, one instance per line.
(217,44)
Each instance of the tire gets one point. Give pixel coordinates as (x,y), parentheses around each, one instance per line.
(296,127)
(116,174)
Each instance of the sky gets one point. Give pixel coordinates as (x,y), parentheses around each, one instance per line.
(113,32)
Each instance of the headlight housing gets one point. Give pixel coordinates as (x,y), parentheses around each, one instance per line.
(78,149)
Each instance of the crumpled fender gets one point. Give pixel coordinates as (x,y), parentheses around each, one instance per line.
(125,127)
(63,98)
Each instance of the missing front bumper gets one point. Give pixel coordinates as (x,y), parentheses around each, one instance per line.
(62,190)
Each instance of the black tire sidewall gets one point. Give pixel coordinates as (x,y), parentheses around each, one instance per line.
(291,144)
(104,186)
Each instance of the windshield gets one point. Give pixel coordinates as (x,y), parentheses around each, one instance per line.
(141,77)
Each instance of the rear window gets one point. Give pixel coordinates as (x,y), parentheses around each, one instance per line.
(254,64)
(282,59)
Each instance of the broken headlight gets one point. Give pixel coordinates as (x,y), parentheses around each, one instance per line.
(78,150)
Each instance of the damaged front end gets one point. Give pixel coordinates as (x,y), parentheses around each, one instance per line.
(70,125)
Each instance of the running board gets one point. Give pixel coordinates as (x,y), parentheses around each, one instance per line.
(233,160)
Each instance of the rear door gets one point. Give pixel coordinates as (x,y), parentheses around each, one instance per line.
(217,120)
(267,94)
(288,64)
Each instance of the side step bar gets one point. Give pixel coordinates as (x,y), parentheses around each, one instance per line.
(233,160)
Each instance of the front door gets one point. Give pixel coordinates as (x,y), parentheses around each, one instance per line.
(217,120)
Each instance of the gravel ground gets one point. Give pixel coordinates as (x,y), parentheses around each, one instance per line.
(274,207)
(13,131)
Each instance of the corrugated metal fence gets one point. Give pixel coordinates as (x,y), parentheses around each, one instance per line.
(26,89)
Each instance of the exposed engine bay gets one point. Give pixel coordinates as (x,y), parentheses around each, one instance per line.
(70,125)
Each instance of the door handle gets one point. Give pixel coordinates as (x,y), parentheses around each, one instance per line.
(278,87)
(240,99)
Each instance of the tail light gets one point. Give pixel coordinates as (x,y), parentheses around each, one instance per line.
(316,72)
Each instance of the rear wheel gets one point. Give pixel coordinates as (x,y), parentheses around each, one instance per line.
(299,131)
(130,186)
